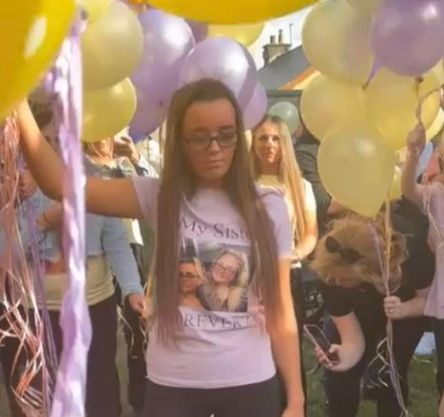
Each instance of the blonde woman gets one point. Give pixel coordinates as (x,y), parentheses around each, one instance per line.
(347,261)
(275,166)
(191,278)
(228,283)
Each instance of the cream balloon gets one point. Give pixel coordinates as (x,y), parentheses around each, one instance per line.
(94,8)
(326,103)
(336,40)
(366,6)
(245,34)
(106,112)
(393,104)
(356,168)
(111,47)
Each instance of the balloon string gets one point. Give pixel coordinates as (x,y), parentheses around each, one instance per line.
(29,378)
(384,264)
(418,82)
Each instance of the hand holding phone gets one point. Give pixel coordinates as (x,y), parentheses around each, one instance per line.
(319,340)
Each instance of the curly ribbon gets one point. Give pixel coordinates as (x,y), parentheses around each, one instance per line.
(64,80)
(20,272)
(385,347)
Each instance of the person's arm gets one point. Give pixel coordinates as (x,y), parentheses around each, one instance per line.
(123,264)
(308,243)
(352,346)
(107,197)
(51,218)
(309,167)
(285,344)
(395,309)
(411,190)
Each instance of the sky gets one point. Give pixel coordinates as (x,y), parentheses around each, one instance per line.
(272,28)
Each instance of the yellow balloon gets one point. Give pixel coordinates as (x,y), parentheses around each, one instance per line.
(112,47)
(326,103)
(336,40)
(94,8)
(393,104)
(395,192)
(245,34)
(106,112)
(356,168)
(436,126)
(366,6)
(230,11)
(435,82)
(31,32)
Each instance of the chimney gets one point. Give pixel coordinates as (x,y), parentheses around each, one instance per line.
(275,48)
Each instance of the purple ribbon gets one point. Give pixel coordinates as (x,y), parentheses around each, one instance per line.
(64,80)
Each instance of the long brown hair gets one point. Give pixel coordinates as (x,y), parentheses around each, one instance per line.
(289,174)
(177,182)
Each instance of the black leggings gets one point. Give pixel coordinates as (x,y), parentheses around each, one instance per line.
(438,330)
(342,389)
(258,400)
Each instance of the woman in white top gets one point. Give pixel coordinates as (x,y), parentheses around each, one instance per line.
(275,166)
(204,362)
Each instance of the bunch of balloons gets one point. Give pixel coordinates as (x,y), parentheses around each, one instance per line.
(177,52)
(381,73)
(111,48)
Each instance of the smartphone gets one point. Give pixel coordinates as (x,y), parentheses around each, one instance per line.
(318,338)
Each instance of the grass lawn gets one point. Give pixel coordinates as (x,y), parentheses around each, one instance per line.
(422,383)
(422,389)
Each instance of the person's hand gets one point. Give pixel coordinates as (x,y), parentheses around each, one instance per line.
(393,308)
(346,358)
(137,302)
(42,222)
(416,140)
(126,147)
(27,185)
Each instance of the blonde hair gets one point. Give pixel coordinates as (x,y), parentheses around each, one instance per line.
(289,174)
(240,282)
(359,237)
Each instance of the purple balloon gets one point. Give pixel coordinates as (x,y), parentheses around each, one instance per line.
(225,60)
(167,41)
(407,35)
(148,117)
(199,29)
(256,108)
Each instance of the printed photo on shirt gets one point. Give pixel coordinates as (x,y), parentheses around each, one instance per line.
(214,277)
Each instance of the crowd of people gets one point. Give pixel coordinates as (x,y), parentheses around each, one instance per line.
(221,238)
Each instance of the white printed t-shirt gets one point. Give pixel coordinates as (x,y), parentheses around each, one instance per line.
(223,341)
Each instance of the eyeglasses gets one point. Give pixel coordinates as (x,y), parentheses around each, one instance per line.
(188,275)
(202,143)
